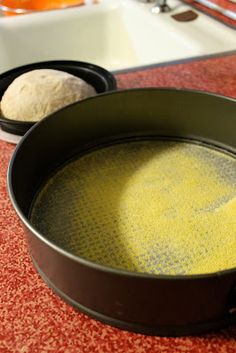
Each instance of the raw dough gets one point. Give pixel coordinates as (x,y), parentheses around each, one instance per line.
(36,94)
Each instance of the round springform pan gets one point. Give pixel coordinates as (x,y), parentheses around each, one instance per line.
(128,204)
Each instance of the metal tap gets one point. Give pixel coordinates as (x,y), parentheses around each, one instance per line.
(160,6)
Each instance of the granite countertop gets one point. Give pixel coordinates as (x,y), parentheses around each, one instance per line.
(33,319)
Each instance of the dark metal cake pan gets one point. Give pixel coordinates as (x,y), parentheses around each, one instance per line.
(141,302)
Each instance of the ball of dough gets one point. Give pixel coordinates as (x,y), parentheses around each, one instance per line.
(36,94)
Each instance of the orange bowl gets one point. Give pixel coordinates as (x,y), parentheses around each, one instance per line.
(19,7)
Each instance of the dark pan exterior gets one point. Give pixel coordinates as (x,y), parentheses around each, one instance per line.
(161,305)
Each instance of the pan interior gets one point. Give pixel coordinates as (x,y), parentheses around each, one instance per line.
(153,206)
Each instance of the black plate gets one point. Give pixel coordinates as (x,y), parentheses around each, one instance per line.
(101,79)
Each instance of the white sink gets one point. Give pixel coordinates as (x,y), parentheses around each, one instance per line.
(115,34)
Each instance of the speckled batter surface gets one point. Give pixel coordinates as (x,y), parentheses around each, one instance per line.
(159,207)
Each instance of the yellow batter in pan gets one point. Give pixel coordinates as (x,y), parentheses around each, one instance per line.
(160,207)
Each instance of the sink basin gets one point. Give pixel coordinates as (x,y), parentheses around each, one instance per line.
(115,34)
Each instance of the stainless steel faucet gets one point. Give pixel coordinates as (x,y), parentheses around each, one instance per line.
(160,6)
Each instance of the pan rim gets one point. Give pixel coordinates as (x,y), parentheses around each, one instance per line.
(81,260)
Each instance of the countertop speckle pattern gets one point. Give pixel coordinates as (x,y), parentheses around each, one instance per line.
(226,4)
(215,74)
(32,318)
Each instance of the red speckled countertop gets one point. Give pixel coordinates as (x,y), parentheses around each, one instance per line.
(226,4)
(32,318)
